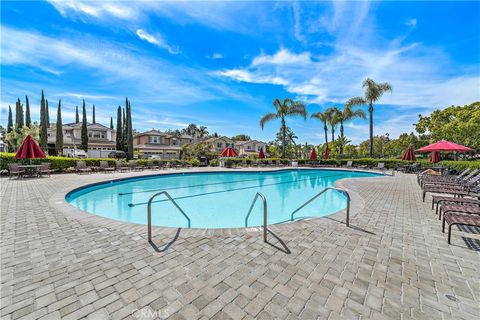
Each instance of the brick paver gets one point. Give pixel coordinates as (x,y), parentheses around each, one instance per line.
(393,263)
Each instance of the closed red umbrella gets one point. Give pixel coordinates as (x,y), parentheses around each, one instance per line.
(261,155)
(326,154)
(444,145)
(409,154)
(29,149)
(229,152)
(313,154)
(435,157)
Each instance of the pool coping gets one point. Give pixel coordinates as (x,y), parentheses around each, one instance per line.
(58,202)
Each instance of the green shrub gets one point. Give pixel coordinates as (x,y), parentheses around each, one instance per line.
(461,165)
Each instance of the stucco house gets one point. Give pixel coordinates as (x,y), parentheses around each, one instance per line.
(155,143)
(249,147)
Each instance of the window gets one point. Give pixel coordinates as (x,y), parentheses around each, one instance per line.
(174,142)
(249,147)
(153,139)
(219,144)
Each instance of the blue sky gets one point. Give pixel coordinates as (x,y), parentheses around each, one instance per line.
(221,64)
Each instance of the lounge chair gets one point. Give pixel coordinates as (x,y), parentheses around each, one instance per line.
(82,167)
(452,181)
(133,166)
(437,201)
(13,170)
(349,164)
(442,178)
(457,189)
(105,167)
(452,219)
(120,166)
(151,166)
(459,208)
(45,169)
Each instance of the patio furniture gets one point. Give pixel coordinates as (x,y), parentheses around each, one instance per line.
(349,164)
(104,167)
(45,169)
(173,164)
(120,166)
(442,178)
(462,183)
(151,166)
(459,190)
(82,167)
(13,169)
(133,166)
(459,219)
(437,201)
(31,170)
(461,208)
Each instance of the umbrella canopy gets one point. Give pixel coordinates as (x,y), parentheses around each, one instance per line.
(313,154)
(229,152)
(261,155)
(435,157)
(326,154)
(29,149)
(409,154)
(444,145)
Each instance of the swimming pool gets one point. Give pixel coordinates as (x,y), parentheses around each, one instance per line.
(215,199)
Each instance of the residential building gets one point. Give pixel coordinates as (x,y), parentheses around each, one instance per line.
(217,144)
(155,143)
(250,147)
(101,139)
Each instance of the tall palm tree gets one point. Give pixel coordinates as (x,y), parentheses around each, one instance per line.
(373,92)
(334,118)
(346,114)
(322,116)
(282,110)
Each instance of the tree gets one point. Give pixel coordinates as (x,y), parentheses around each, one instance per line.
(77,117)
(93,114)
(84,133)
(59,136)
(47,114)
(19,123)
(191,130)
(322,116)
(119,137)
(373,92)
(10,120)
(28,119)
(111,123)
(346,114)
(43,125)
(129,129)
(334,117)
(124,131)
(202,132)
(241,137)
(15,138)
(282,110)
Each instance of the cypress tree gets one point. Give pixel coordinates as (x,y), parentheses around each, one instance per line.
(119,129)
(47,114)
(129,131)
(43,125)
(59,137)
(28,120)
(10,120)
(84,132)
(93,114)
(19,115)
(77,118)
(124,131)
(111,123)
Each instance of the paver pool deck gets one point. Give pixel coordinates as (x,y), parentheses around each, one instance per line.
(392,263)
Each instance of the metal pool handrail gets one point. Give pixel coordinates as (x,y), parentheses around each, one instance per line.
(345,192)
(149,211)
(264,200)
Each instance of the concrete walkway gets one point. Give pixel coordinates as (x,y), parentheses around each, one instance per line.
(393,263)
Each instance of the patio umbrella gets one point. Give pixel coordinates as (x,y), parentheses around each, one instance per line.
(229,152)
(409,154)
(261,155)
(444,145)
(435,157)
(313,154)
(326,154)
(29,149)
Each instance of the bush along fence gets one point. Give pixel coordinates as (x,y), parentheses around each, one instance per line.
(63,163)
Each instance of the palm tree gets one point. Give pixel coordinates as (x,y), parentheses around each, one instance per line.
(346,114)
(334,118)
(373,92)
(322,116)
(284,109)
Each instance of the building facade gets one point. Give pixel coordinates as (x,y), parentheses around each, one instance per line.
(158,144)
(217,144)
(250,147)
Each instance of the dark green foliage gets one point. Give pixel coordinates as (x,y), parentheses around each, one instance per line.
(10,120)
(77,117)
(84,133)
(28,119)
(124,132)
(111,123)
(129,133)
(119,138)
(93,114)
(43,125)
(19,123)
(59,136)
(47,114)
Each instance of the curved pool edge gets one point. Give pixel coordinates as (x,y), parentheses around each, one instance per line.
(58,202)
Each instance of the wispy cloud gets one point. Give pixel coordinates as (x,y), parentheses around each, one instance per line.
(215,56)
(156,40)
(411,23)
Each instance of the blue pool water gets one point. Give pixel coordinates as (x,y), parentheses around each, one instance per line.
(215,200)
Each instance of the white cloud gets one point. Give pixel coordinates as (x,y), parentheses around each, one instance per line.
(156,40)
(411,23)
(215,55)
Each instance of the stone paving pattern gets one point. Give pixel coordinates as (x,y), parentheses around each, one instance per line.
(393,263)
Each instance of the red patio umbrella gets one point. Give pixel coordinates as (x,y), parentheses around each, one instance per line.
(444,145)
(229,152)
(409,154)
(261,155)
(29,149)
(313,154)
(435,157)
(326,154)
